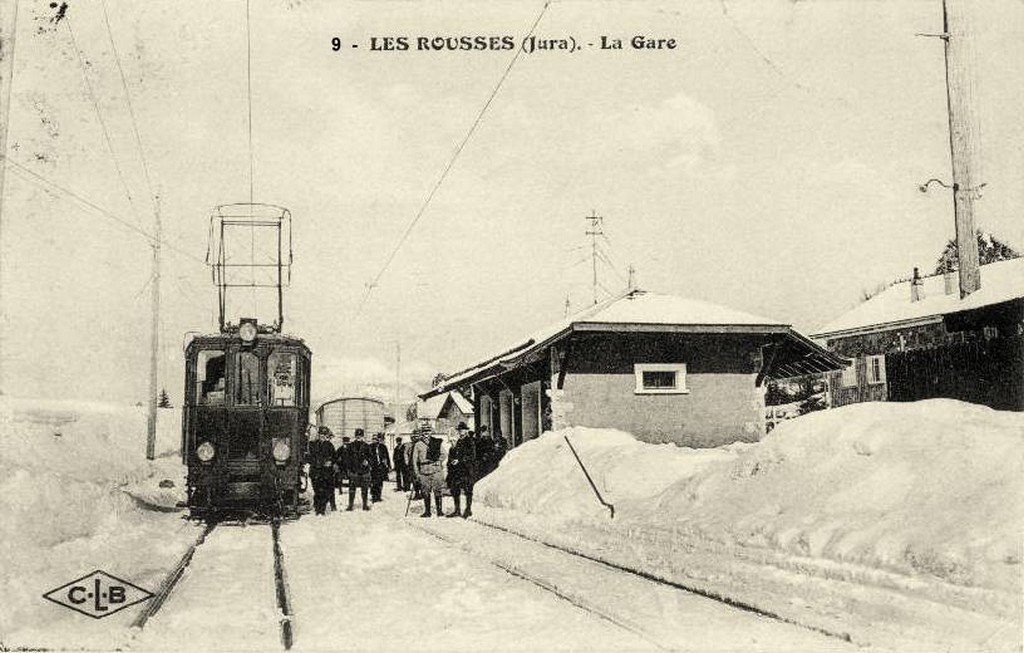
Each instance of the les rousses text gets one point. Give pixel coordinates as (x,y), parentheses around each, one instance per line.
(499,43)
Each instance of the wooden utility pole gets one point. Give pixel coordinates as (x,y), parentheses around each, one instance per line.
(398,380)
(154,334)
(959,52)
(594,231)
(8,29)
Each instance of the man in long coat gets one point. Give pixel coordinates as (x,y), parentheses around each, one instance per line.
(321,469)
(357,465)
(398,458)
(380,466)
(428,468)
(462,469)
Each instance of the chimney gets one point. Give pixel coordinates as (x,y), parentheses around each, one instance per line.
(916,287)
(949,280)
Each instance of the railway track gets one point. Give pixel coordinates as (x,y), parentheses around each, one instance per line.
(172,579)
(646,576)
(576,601)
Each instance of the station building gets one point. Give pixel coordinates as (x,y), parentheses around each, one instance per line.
(664,368)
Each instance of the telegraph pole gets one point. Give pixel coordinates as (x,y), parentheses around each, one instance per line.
(632,277)
(594,230)
(8,30)
(959,53)
(154,334)
(398,379)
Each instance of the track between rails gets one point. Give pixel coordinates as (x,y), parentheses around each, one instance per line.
(170,582)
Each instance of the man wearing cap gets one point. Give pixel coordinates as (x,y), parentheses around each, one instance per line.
(462,470)
(380,466)
(428,466)
(398,458)
(357,465)
(321,469)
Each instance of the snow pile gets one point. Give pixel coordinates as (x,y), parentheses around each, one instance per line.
(542,476)
(932,487)
(896,522)
(70,470)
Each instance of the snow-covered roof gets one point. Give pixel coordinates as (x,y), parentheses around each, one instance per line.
(461,402)
(644,311)
(1000,282)
(431,408)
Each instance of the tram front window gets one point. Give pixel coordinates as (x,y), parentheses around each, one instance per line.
(210,377)
(247,382)
(281,379)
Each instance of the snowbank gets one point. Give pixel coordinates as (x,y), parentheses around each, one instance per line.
(855,517)
(932,487)
(542,476)
(71,470)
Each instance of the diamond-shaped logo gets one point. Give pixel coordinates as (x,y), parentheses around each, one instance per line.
(97,594)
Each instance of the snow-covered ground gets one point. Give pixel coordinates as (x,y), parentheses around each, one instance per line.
(68,508)
(898,524)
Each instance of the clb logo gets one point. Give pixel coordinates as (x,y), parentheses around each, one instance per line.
(97,594)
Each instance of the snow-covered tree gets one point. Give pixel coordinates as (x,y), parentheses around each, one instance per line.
(990,250)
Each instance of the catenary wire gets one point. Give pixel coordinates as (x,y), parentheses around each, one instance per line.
(451,162)
(51,186)
(99,115)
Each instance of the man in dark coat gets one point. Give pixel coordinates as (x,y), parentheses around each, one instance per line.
(321,469)
(357,466)
(380,466)
(401,480)
(462,470)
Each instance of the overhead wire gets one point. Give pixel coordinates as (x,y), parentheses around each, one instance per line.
(131,107)
(99,115)
(51,186)
(451,162)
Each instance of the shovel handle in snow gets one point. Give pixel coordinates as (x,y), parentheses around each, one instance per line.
(597,492)
(408,503)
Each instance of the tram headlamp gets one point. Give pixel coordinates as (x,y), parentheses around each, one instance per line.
(282,450)
(247,331)
(204,452)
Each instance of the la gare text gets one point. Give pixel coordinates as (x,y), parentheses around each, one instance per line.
(529,44)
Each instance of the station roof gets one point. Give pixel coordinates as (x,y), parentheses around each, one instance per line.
(640,311)
(1002,281)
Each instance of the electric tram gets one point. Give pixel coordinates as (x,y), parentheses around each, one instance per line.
(247,388)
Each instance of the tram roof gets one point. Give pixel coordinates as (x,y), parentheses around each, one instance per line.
(226,338)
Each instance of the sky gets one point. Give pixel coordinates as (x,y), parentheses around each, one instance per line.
(770,163)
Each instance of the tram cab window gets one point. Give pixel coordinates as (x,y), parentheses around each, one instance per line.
(247,379)
(210,377)
(282,378)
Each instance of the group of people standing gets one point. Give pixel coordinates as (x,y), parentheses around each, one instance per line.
(423,467)
(365,465)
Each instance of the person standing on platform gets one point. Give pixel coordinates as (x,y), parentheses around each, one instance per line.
(321,469)
(428,467)
(380,466)
(398,458)
(462,470)
(356,460)
(413,481)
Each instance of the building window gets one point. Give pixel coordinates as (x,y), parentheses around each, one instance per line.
(849,377)
(660,378)
(876,369)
